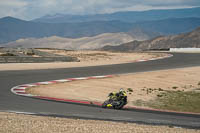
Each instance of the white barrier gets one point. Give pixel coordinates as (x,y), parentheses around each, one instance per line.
(184,49)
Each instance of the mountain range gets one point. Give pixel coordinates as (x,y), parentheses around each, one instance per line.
(141,25)
(126,16)
(186,40)
(12,29)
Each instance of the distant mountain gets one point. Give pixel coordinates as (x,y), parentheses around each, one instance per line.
(130,16)
(96,42)
(171,26)
(191,39)
(12,29)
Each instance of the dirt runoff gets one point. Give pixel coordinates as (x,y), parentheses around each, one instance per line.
(87,58)
(19,123)
(146,86)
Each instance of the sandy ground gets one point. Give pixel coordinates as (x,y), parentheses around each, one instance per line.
(18,123)
(87,58)
(97,89)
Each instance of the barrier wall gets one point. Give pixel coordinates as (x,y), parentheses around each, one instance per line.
(184,49)
(14,59)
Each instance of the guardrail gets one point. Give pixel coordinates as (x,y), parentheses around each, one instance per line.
(45,54)
(23,52)
(16,59)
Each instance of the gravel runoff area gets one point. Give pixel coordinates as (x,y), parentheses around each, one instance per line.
(19,123)
(87,58)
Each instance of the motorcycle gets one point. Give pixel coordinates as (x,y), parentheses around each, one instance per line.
(115,102)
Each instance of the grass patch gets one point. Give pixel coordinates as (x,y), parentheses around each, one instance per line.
(177,101)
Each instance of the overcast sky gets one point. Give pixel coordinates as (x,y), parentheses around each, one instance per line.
(30,9)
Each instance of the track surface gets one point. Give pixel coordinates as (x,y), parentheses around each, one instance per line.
(11,102)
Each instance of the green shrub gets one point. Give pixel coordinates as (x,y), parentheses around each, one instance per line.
(174,87)
(7,54)
(130,90)
(30,53)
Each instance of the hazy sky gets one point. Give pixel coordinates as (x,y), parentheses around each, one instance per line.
(30,9)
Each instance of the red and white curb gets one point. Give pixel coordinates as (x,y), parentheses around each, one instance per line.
(21,89)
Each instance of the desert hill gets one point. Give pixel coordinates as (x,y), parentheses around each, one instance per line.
(191,39)
(96,42)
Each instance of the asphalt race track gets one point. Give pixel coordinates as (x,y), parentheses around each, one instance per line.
(11,102)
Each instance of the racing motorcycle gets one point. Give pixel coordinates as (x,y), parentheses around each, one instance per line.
(115,101)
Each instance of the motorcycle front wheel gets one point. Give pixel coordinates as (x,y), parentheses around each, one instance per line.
(104,105)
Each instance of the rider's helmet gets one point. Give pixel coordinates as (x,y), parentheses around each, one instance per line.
(122,91)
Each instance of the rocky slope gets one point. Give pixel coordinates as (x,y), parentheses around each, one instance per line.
(191,39)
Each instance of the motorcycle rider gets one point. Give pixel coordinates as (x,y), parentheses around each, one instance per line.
(118,96)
